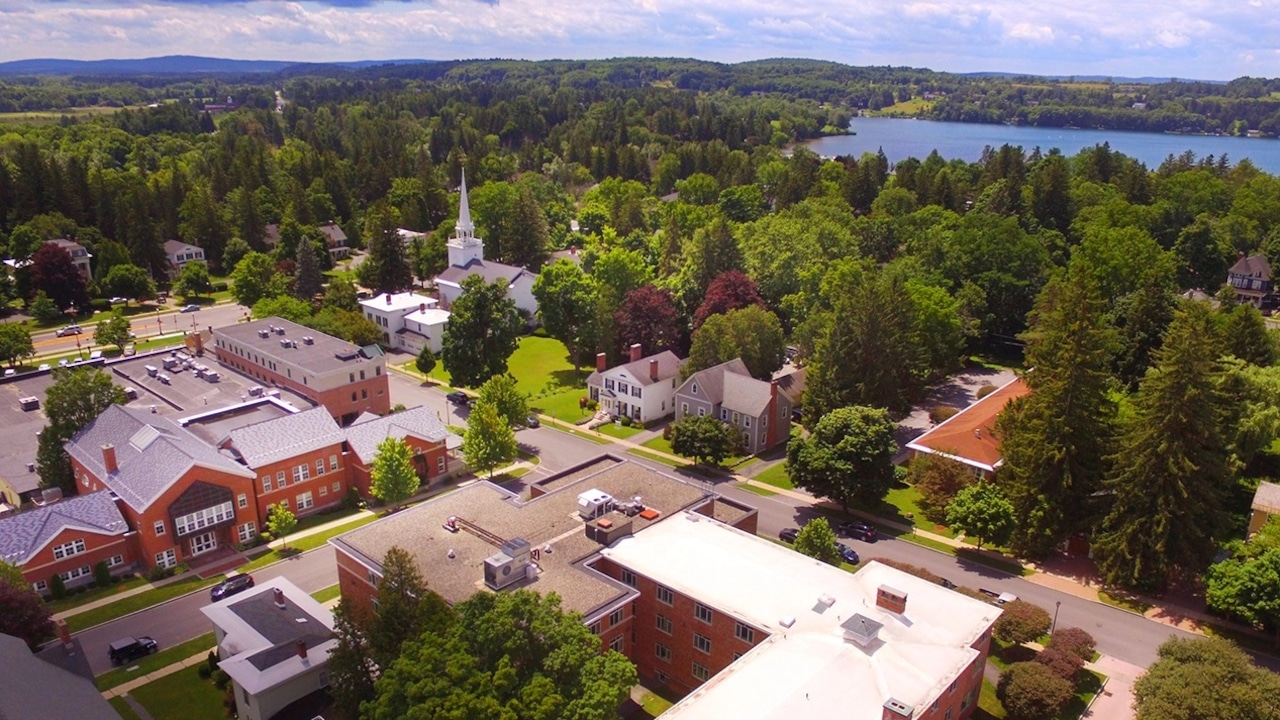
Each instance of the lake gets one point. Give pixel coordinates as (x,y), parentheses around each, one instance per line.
(904,138)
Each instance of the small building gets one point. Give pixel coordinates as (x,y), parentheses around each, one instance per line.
(421,429)
(67,537)
(179,254)
(409,321)
(759,411)
(274,641)
(80,256)
(642,389)
(969,435)
(408,236)
(336,240)
(1250,278)
(1266,503)
(34,688)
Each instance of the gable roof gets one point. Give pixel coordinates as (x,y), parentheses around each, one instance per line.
(173,247)
(284,437)
(34,689)
(152,452)
(487,269)
(668,367)
(368,430)
(731,386)
(26,533)
(1267,498)
(333,234)
(791,382)
(968,436)
(1252,266)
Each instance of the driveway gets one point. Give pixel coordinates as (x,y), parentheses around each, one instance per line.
(958,391)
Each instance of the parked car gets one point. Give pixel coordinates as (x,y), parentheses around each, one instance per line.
(43,366)
(946,583)
(848,554)
(68,330)
(230,586)
(190,308)
(999,598)
(458,398)
(533,421)
(859,530)
(788,534)
(128,649)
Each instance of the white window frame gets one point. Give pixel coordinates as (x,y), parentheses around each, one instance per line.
(333,463)
(663,624)
(337,487)
(204,518)
(305,501)
(628,578)
(115,561)
(700,610)
(242,500)
(702,643)
(700,671)
(440,465)
(280,482)
(665,595)
(324,491)
(247,531)
(744,633)
(662,652)
(616,617)
(616,643)
(266,483)
(68,549)
(167,558)
(158,528)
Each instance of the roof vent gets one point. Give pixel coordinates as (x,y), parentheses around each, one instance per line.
(861,629)
(895,709)
(787,621)
(827,600)
(308,340)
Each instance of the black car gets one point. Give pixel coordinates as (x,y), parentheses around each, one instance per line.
(230,586)
(946,583)
(533,422)
(130,648)
(848,554)
(458,398)
(859,530)
(788,534)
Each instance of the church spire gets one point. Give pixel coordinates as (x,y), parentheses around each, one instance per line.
(465,227)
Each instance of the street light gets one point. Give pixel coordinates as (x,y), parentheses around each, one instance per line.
(1057,606)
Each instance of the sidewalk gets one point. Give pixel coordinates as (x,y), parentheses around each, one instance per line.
(141,680)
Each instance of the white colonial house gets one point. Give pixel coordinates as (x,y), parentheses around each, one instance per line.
(642,389)
(408,320)
(466,258)
(180,253)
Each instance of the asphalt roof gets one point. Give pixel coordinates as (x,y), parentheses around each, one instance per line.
(152,452)
(1267,497)
(1252,266)
(325,354)
(668,367)
(368,430)
(27,532)
(487,269)
(284,437)
(969,436)
(730,385)
(34,689)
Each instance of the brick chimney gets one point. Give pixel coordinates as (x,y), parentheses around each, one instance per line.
(895,709)
(109,458)
(279,596)
(895,601)
(422,307)
(653,369)
(388,298)
(771,431)
(64,634)
(602,361)
(635,352)
(302,649)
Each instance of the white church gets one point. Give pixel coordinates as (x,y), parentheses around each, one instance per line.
(466,258)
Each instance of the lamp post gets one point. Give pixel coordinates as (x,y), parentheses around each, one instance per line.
(1056,607)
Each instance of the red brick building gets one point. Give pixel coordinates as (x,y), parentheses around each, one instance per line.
(67,537)
(345,379)
(427,437)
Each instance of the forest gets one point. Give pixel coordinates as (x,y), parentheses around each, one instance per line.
(702,225)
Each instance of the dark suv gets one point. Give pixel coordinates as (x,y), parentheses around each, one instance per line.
(230,586)
(788,534)
(458,398)
(859,530)
(129,649)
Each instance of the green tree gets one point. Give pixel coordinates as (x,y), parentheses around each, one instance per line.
(817,540)
(113,330)
(1174,686)
(284,306)
(751,333)
(406,608)
(506,655)
(255,277)
(482,332)
(566,296)
(982,511)
(386,269)
(1055,441)
(341,295)
(502,393)
(44,310)
(130,282)
(1171,468)
(352,670)
(1022,622)
(937,478)
(1247,336)
(12,575)
(1030,691)
(393,478)
(426,361)
(15,343)
(235,251)
(307,282)
(1247,586)
(281,522)
(192,280)
(527,246)
(705,439)
(489,440)
(76,398)
(848,456)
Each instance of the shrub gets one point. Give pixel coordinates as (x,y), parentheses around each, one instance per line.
(102,574)
(352,500)
(938,479)
(57,588)
(102,304)
(211,660)
(220,286)
(1063,664)
(1073,641)
(203,671)
(592,405)
(1021,622)
(626,421)
(229,702)
(1030,691)
(221,678)
(985,390)
(941,413)
(158,573)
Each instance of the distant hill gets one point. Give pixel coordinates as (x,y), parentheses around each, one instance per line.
(174,65)
(1092,78)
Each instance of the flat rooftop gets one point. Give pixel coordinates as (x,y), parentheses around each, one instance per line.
(551,520)
(325,353)
(807,667)
(215,426)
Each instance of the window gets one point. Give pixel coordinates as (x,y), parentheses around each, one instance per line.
(736,419)
(280,480)
(320,467)
(664,595)
(662,651)
(166,559)
(204,518)
(159,528)
(353,396)
(635,391)
(304,501)
(702,612)
(364,394)
(746,421)
(700,671)
(373,578)
(952,690)
(324,490)
(351,377)
(301,472)
(608,384)
(324,678)
(245,693)
(663,623)
(40,586)
(615,617)
(695,388)
(622,388)
(702,642)
(968,698)
(594,627)
(377,372)
(75,547)
(440,465)
(616,644)
(242,500)
(74,573)
(115,561)
(684,409)
(702,411)
(628,578)
(247,531)
(764,421)
(333,463)
(337,487)
(948,715)
(724,414)
(744,633)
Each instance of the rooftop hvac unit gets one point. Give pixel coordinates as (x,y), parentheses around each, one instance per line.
(263,333)
(280,330)
(507,566)
(308,340)
(593,503)
(285,343)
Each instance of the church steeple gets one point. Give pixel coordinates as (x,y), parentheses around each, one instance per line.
(464,246)
(464,226)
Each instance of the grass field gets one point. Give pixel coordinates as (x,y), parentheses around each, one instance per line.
(122,708)
(776,476)
(621,432)
(50,117)
(909,108)
(330,593)
(181,696)
(151,663)
(757,490)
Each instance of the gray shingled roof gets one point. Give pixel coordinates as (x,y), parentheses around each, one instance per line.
(792,381)
(745,394)
(668,367)
(279,438)
(366,432)
(711,381)
(1252,266)
(32,689)
(326,352)
(27,532)
(152,452)
(486,269)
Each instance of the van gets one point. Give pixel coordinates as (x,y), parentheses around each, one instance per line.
(212,376)
(152,370)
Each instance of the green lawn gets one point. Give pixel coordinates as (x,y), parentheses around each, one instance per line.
(303,544)
(151,663)
(656,458)
(776,476)
(654,704)
(621,432)
(181,696)
(327,594)
(74,601)
(122,709)
(134,603)
(582,434)
(659,443)
(988,704)
(756,490)
(1124,601)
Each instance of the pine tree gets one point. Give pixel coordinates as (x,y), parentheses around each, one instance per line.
(1172,468)
(389,270)
(529,238)
(1055,440)
(1247,336)
(307,282)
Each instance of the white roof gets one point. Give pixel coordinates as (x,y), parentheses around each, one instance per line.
(400,302)
(430,316)
(806,668)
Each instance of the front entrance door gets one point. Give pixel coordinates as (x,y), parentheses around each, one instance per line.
(203,543)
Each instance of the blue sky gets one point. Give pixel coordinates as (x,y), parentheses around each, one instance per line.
(1210,39)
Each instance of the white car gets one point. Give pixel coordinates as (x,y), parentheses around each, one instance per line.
(43,366)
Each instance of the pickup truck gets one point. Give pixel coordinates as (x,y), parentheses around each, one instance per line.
(999,598)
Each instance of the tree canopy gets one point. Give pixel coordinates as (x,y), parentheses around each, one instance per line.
(482,332)
(848,456)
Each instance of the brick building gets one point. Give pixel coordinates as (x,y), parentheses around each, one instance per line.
(345,379)
(67,538)
(427,437)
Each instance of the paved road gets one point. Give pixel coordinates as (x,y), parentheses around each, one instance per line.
(144,326)
(180,620)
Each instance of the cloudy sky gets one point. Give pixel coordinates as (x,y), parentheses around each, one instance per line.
(1209,39)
